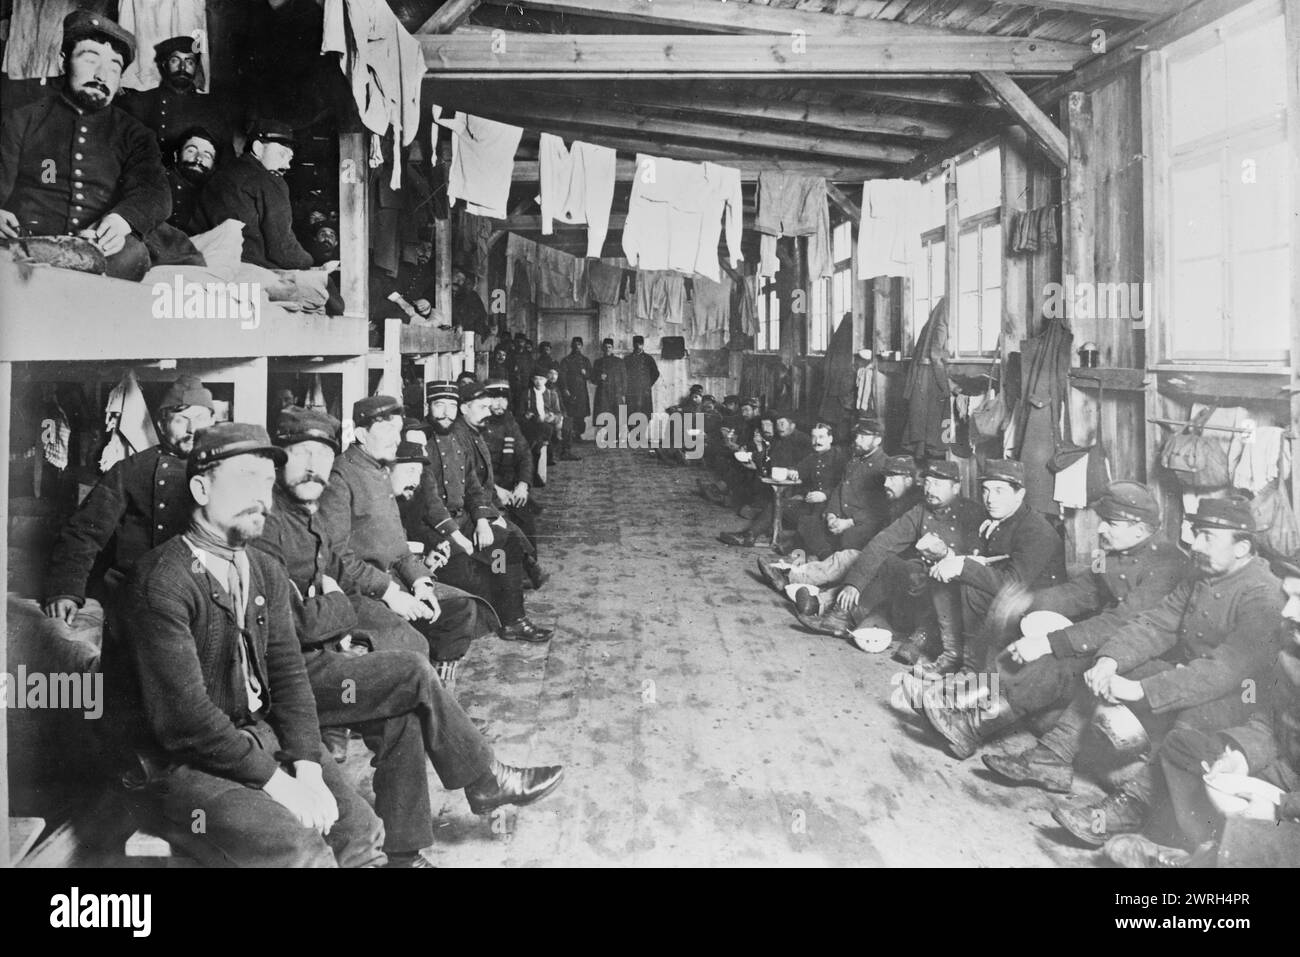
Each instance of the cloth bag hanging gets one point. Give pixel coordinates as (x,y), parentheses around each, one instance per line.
(1275,520)
(1197,460)
(993,414)
(1082,471)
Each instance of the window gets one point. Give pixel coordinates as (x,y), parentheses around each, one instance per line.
(832,297)
(1228,199)
(769,319)
(975,311)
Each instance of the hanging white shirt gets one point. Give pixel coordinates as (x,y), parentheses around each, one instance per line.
(577,187)
(482,163)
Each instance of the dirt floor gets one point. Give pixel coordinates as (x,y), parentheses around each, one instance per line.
(698,724)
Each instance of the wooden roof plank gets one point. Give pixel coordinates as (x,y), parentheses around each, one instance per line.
(448,17)
(1038,124)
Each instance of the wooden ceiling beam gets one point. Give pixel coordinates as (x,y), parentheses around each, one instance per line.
(846,205)
(529,171)
(635,54)
(1038,124)
(1143,10)
(448,17)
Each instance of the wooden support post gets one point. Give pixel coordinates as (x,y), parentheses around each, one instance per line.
(442,241)
(249,379)
(391,382)
(1292,18)
(952,275)
(6,393)
(1038,124)
(353,388)
(354,224)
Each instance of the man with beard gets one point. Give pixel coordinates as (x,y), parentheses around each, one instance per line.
(575,373)
(360,510)
(467,312)
(176,104)
(252,190)
(141,502)
(641,372)
(610,376)
(856,507)
(191,168)
(70,164)
(512,470)
(394,698)
(789,448)
(454,505)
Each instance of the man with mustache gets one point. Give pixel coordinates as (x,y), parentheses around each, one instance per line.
(512,470)
(856,507)
(176,104)
(140,503)
(393,697)
(252,190)
(1184,663)
(191,167)
(70,164)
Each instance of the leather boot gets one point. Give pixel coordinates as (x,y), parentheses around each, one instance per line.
(509,785)
(966,727)
(911,649)
(778,578)
(533,570)
(1134,850)
(950,660)
(743,539)
(447,671)
(1118,813)
(1037,766)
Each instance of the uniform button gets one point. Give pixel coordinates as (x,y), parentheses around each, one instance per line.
(81,196)
(160,529)
(83,129)
(76,172)
(162,483)
(1218,594)
(1122,577)
(76,156)
(162,504)
(81,139)
(1200,635)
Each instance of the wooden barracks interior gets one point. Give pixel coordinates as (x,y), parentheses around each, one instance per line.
(1119,176)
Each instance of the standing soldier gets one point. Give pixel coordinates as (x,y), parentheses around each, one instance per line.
(176,104)
(610,374)
(575,373)
(642,374)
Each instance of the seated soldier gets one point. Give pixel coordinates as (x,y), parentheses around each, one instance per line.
(70,164)
(394,698)
(539,415)
(1130,573)
(856,508)
(1236,793)
(191,166)
(789,448)
(176,104)
(1182,663)
(512,465)
(734,433)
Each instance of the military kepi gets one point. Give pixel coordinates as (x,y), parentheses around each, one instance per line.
(85,25)
(410,452)
(900,465)
(186,391)
(1227,513)
(1126,501)
(306,425)
(374,407)
(226,440)
(1004,470)
(943,469)
(442,389)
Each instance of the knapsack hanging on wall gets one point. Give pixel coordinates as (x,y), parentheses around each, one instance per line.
(1275,521)
(1198,461)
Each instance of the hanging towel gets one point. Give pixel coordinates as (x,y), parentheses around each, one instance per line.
(794,205)
(889,237)
(127,417)
(153,21)
(384,66)
(1258,457)
(605,281)
(577,187)
(482,163)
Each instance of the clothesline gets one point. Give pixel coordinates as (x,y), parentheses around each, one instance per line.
(1175,423)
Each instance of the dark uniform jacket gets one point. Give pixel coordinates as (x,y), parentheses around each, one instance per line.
(958,525)
(1217,632)
(860,494)
(520,376)
(477,451)
(185,195)
(575,372)
(450,496)
(820,471)
(468,313)
(62,170)
(359,508)
(141,502)
(789,451)
(297,538)
(1271,740)
(512,463)
(168,114)
(183,636)
(1128,583)
(610,376)
(1037,554)
(642,373)
(245,190)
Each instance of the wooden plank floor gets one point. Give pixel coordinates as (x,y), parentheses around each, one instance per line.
(697,724)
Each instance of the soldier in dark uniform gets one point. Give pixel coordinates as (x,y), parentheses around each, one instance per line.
(71,164)
(1017,547)
(176,104)
(610,375)
(1133,572)
(252,190)
(454,505)
(545,359)
(512,468)
(642,373)
(360,509)
(467,311)
(191,167)
(521,374)
(575,373)
(395,698)
(857,507)
(140,503)
(733,434)
(789,448)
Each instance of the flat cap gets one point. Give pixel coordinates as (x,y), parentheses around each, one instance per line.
(85,25)
(900,465)
(411,452)
(186,391)
(942,468)
(472,389)
(751,400)
(272,131)
(865,426)
(297,424)
(1227,513)
(441,389)
(375,407)
(606,342)
(226,440)
(697,388)
(640,339)
(180,44)
(731,400)
(498,387)
(1004,470)
(1126,501)
(540,372)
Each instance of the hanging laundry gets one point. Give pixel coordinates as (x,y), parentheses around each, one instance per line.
(384,66)
(794,205)
(482,163)
(127,417)
(747,307)
(889,237)
(675,216)
(606,282)
(927,387)
(32,50)
(712,304)
(153,21)
(577,187)
(471,241)
(55,433)
(661,297)
(1257,458)
(725,194)
(315,398)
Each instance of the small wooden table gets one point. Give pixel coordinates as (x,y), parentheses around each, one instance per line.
(778,493)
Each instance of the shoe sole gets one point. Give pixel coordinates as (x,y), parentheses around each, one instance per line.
(523,802)
(1087,838)
(1031,782)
